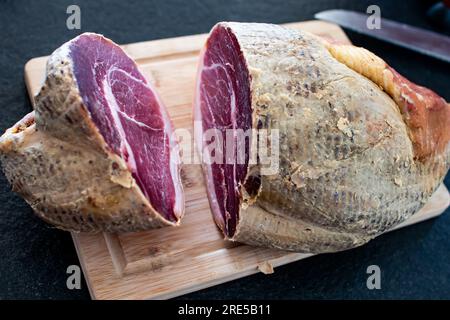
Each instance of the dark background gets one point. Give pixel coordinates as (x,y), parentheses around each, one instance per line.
(414,262)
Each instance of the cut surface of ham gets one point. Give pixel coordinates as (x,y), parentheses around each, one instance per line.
(130,117)
(224,104)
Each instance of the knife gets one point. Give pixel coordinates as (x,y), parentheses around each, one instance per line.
(416,39)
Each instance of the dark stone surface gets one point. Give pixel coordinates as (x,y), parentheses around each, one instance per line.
(415,262)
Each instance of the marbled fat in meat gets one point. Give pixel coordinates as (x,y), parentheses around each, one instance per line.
(128,114)
(224,101)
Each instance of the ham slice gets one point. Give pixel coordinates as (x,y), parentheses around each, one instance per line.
(100,153)
(361,148)
(223,103)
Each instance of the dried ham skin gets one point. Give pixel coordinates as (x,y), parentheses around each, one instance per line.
(361,148)
(99,153)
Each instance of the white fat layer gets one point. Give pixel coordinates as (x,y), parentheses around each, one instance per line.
(115,69)
(174,157)
(111,100)
(138,123)
(234,125)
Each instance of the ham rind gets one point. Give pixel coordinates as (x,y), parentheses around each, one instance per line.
(361,148)
(98,153)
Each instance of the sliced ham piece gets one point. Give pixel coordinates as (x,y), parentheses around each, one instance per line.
(223,103)
(99,154)
(354,161)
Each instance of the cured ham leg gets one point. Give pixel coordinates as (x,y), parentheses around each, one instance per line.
(98,152)
(361,148)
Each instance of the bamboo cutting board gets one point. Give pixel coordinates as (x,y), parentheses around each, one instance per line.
(168,262)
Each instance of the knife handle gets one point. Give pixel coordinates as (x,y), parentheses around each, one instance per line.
(439,15)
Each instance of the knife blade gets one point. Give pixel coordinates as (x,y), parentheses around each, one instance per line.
(416,39)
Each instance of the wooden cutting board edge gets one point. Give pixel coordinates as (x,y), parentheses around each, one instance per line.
(435,207)
(166,49)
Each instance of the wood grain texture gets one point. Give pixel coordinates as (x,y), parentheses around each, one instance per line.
(172,261)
